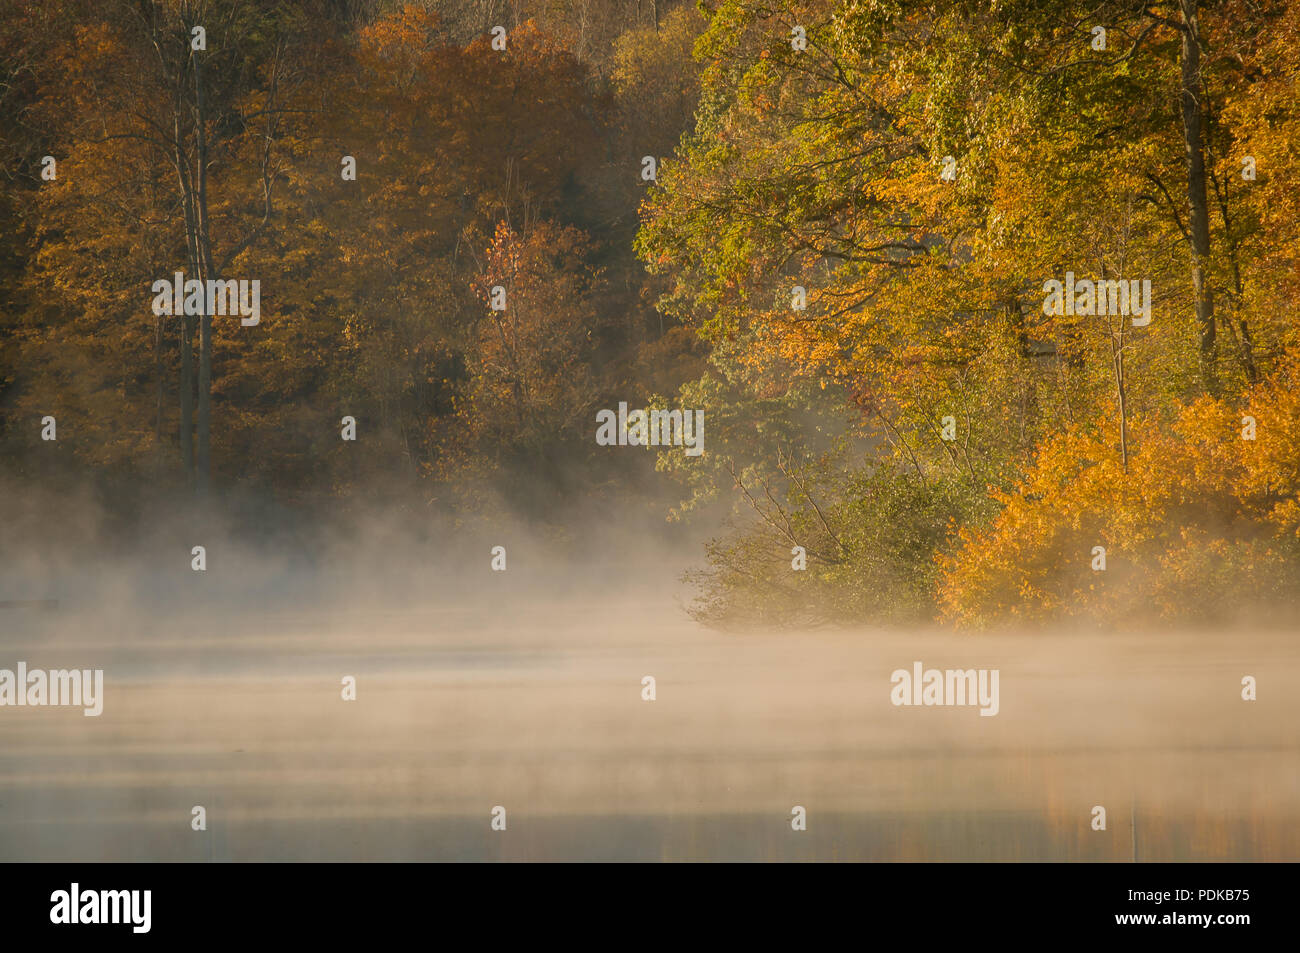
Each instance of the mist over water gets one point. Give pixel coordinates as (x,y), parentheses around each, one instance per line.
(479,356)
(523,689)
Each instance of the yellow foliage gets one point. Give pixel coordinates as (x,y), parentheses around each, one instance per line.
(1198,513)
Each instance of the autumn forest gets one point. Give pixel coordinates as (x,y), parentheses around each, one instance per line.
(989,307)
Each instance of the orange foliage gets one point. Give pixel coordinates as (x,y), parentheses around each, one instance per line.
(1199,514)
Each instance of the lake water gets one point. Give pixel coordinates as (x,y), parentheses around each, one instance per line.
(536,706)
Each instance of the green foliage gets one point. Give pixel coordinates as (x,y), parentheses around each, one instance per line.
(824,169)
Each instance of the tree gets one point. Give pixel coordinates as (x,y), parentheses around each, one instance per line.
(174,116)
(919,172)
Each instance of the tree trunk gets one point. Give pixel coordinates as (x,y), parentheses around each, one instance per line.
(204,248)
(158,410)
(187,398)
(183,319)
(1121,395)
(1245,346)
(1196,190)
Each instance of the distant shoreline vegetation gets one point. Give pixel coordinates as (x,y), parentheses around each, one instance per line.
(852,235)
